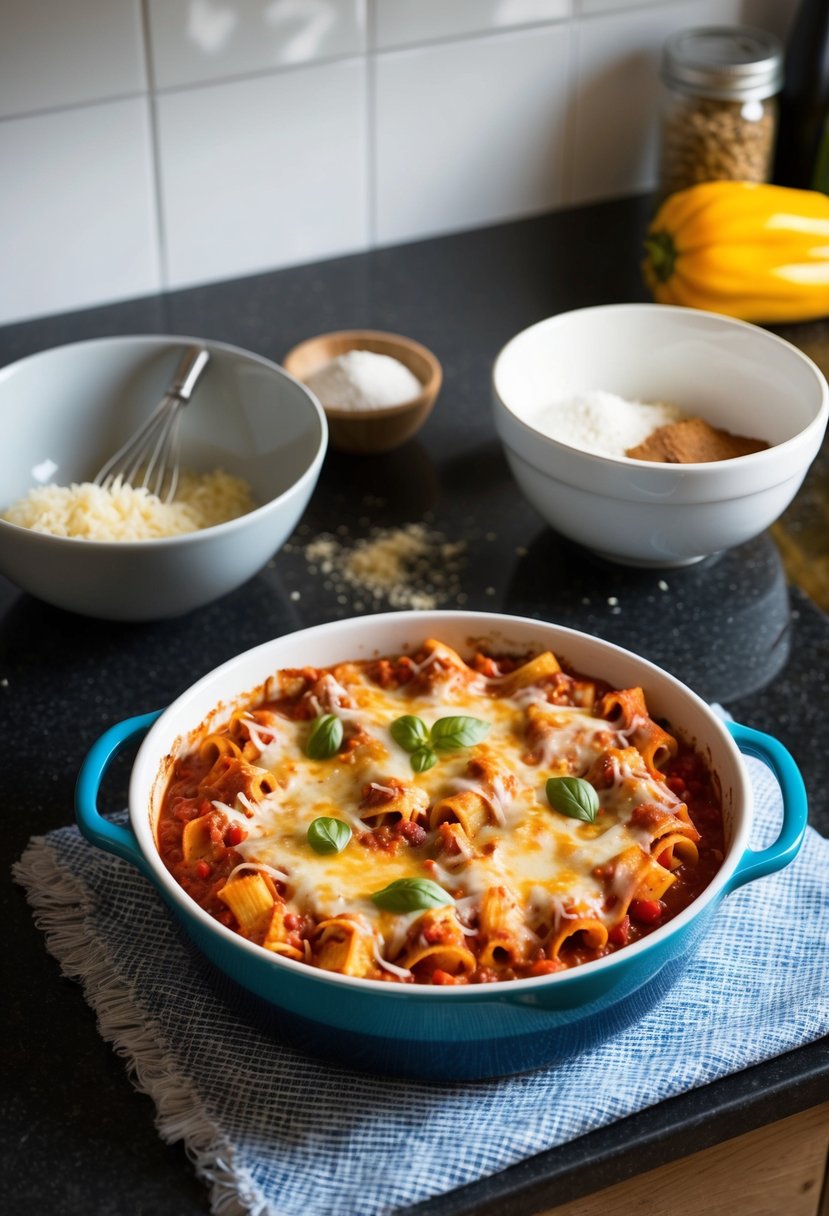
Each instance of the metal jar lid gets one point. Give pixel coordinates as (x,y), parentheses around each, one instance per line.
(732,63)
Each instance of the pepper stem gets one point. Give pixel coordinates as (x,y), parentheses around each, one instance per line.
(662,253)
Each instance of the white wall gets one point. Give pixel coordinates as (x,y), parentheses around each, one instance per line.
(152,144)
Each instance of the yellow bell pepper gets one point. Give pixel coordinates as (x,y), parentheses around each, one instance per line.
(746,249)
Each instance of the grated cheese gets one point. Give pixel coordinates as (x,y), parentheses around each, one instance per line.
(604,423)
(124,513)
(408,567)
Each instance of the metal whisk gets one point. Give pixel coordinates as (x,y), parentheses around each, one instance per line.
(150,458)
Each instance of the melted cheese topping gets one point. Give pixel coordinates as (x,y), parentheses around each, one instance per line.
(549,863)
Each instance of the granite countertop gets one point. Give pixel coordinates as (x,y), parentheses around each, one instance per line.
(747,629)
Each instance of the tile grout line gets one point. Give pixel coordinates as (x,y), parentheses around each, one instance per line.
(152,103)
(371,127)
(371,52)
(568,151)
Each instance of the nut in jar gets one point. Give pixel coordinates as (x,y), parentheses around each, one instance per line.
(720,120)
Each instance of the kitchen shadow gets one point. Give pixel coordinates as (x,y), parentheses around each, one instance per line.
(722,626)
(36,637)
(402,483)
(476,469)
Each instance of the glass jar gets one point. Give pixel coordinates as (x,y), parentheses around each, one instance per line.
(720,119)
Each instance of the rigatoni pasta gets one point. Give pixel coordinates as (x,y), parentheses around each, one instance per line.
(426,819)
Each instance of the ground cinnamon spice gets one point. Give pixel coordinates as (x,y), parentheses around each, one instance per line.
(693,441)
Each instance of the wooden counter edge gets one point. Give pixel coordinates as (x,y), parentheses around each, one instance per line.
(776,1170)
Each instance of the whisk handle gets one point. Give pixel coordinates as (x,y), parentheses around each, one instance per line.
(194,360)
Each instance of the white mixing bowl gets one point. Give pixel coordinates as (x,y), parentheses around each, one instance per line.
(67,409)
(734,375)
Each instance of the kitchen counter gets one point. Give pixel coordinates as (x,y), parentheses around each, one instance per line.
(747,629)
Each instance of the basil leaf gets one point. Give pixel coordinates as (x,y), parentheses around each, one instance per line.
(325,737)
(411,895)
(423,758)
(328,835)
(409,732)
(450,734)
(574,797)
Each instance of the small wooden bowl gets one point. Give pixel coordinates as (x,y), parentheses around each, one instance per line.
(372,430)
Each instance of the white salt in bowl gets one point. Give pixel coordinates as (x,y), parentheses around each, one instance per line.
(379,429)
(734,375)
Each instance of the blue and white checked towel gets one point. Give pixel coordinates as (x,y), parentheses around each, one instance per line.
(274,1132)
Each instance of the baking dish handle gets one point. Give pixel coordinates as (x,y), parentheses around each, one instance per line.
(113,837)
(755,863)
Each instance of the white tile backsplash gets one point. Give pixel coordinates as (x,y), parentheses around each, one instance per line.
(77,209)
(402,22)
(193,41)
(586,7)
(152,144)
(56,53)
(773,15)
(469,132)
(264,172)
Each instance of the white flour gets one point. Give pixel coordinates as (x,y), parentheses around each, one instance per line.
(363,380)
(603,423)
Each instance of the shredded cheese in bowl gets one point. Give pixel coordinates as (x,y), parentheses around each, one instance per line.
(125,513)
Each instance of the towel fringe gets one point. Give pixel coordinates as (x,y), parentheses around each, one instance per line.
(61,911)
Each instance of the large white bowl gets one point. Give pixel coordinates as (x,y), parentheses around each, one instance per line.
(732,374)
(74,405)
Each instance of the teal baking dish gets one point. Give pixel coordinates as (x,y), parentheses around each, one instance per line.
(425,1031)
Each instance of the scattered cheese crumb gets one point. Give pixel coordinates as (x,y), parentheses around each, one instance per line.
(408,567)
